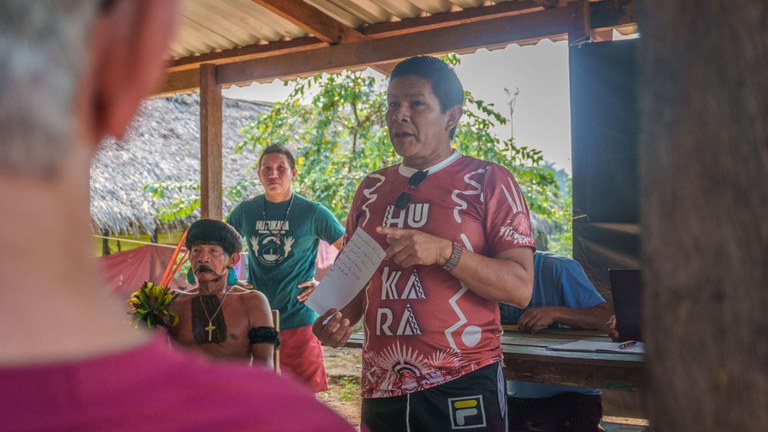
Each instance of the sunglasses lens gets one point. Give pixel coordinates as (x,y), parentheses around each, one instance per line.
(417,178)
(402,200)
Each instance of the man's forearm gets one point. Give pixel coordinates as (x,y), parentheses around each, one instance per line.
(594,318)
(506,278)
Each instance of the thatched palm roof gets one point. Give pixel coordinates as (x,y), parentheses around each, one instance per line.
(162,144)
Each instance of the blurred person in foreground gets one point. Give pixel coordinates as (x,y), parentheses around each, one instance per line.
(73,72)
(457,236)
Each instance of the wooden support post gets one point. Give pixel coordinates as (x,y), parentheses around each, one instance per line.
(105,243)
(210,144)
(703,153)
(579,28)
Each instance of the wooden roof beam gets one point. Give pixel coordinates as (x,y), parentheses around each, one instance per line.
(318,24)
(246,53)
(447,19)
(312,20)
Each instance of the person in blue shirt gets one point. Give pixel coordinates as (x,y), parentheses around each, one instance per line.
(563,297)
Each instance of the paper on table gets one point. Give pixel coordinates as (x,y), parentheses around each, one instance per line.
(605,347)
(579,346)
(349,274)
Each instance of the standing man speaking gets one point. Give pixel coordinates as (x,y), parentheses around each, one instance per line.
(458,239)
(283,230)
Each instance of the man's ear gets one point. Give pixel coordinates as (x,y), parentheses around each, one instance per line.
(454,115)
(234,259)
(127,59)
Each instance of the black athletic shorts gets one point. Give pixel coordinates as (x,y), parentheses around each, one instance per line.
(474,402)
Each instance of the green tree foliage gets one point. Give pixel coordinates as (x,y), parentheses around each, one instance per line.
(336,123)
(561,235)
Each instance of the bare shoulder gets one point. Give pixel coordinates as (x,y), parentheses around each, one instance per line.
(256,304)
(184,296)
(249,296)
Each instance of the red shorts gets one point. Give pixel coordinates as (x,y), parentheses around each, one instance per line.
(302,355)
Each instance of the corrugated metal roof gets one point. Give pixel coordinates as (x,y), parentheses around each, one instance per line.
(219,25)
(259,40)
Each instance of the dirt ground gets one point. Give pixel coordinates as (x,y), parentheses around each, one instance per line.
(343,396)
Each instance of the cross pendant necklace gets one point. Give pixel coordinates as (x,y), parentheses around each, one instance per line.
(212,327)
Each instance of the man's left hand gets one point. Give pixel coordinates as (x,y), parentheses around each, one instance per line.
(409,247)
(537,319)
(308,287)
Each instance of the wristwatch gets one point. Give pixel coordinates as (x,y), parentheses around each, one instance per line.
(454,259)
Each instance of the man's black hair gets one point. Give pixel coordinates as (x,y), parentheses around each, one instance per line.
(279,149)
(214,232)
(445,83)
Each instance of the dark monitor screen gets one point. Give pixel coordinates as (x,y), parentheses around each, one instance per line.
(626,290)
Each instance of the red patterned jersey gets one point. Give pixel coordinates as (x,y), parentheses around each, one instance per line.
(423,327)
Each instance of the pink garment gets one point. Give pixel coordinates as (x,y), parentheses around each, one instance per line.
(422,326)
(154,388)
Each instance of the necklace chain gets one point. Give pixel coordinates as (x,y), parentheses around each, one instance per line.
(210,319)
(285,218)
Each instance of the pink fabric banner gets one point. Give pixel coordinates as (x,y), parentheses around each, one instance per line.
(124,272)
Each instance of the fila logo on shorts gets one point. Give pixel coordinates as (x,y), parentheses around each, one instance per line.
(467,412)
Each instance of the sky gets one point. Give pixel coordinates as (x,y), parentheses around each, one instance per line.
(541,117)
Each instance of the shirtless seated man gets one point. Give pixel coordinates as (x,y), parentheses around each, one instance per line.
(219,317)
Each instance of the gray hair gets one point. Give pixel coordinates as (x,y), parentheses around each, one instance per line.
(43,53)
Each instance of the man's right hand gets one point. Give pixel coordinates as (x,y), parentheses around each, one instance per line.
(536,319)
(332,329)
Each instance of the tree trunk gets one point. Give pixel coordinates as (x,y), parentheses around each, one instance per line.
(704,212)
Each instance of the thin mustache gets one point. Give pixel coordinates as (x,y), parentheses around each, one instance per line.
(204,269)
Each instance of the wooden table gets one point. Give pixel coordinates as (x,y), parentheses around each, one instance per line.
(526,358)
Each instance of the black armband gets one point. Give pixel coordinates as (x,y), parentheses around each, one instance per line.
(264,335)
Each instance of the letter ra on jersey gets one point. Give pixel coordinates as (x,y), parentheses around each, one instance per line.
(467,412)
(407,325)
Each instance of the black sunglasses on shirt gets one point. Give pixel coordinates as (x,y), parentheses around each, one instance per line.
(414,180)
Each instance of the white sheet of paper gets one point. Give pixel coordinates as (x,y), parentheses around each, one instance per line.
(349,274)
(578,346)
(604,347)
